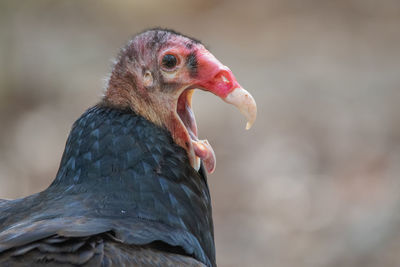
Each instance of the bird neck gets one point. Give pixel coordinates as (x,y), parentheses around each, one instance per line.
(124,92)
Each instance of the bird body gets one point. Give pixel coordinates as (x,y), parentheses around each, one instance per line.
(118,175)
(131,189)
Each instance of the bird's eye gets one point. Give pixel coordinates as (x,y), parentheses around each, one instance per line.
(169,61)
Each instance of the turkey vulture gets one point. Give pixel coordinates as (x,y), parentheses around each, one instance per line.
(131,189)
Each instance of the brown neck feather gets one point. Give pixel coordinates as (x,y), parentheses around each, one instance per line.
(155,106)
(160,108)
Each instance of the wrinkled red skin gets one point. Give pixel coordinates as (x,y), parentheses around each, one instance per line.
(210,75)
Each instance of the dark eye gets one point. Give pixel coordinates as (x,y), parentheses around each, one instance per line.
(169,61)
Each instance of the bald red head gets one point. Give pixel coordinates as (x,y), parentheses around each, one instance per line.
(155,76)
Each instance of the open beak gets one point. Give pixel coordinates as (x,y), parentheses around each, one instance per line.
(218,79)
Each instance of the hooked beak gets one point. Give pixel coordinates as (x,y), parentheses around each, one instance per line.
(243,100)
(219,80)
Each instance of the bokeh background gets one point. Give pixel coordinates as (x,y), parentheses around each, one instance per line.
(316,182)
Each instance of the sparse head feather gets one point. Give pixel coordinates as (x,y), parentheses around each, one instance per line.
(136,79)
(153,40)
(159,30)
(140,55)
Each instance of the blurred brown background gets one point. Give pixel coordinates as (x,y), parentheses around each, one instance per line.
(314,183)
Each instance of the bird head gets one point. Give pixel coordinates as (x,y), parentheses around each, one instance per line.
(156,74)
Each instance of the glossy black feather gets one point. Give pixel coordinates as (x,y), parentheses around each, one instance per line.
(122,175)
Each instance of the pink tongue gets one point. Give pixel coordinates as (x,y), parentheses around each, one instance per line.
(203,150)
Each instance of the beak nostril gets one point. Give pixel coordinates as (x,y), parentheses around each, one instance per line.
(224,79)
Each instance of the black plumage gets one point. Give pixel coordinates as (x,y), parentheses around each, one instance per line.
(124,191)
